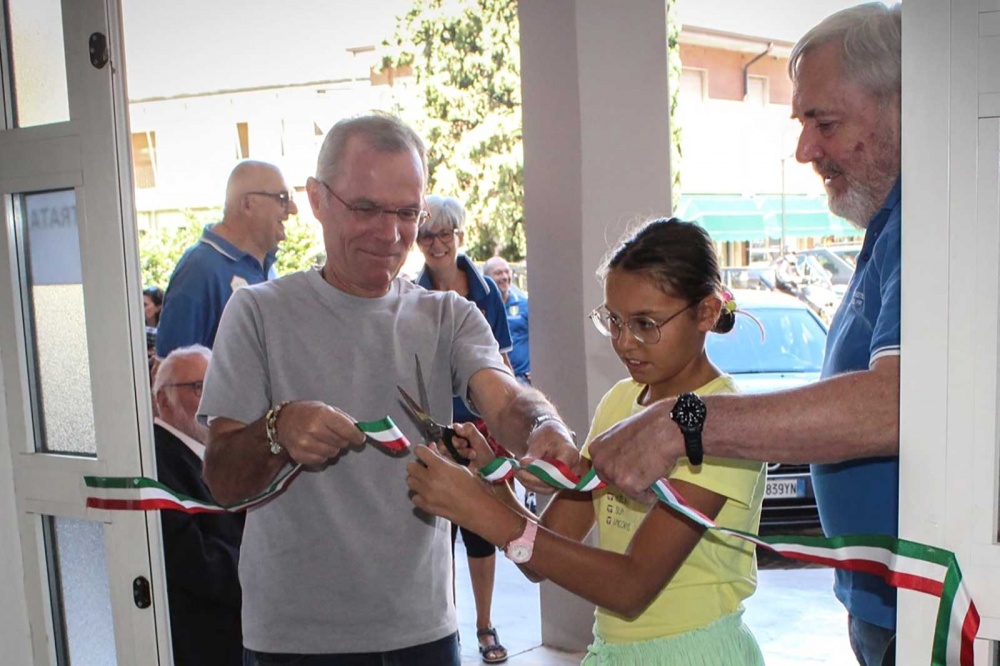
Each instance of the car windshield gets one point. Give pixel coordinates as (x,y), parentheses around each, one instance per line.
(795,342)
(850,254)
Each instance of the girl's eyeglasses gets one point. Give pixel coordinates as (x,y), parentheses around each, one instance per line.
(645,330)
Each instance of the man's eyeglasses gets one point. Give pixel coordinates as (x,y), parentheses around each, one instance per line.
(194,386)
(645,330)
(369,212)
(426,238)
(283,198)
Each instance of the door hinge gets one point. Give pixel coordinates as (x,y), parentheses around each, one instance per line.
(98,50)
(141,594)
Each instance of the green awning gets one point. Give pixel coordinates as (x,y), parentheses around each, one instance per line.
(725,217)
(730,217)
(803,216)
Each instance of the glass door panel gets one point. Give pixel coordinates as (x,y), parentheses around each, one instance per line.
(38,62)
(48,238)
(80,591)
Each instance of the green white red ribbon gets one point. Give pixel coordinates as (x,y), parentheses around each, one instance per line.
(138,493)
(901,563)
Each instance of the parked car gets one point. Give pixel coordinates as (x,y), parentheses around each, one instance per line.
(837,260)
(789,354)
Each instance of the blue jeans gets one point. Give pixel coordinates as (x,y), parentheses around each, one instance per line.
(442,652)
(873,645)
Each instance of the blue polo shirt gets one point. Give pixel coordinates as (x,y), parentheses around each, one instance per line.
(517,319)
(201,284)
(483,291)
(862,496)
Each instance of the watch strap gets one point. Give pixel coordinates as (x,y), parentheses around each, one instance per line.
(693,447)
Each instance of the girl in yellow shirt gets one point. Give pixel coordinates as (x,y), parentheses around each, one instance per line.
(668,593)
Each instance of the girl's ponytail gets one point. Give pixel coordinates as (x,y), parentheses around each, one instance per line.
(727,315)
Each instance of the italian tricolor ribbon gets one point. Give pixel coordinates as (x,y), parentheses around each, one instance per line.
(138,493)
(903,564)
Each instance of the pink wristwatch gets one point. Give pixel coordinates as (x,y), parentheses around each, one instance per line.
(519,550)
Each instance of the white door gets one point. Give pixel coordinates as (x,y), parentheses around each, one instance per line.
(950,457)
(79,584)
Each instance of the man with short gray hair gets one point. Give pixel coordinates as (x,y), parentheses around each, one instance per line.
(341,569)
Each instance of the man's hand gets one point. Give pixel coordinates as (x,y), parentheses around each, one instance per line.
(554,440)
(636,452)
(313,432)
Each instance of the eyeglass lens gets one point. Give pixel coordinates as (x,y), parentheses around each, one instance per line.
(642,329)
(428,238)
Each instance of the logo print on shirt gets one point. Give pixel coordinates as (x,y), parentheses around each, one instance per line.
(513,311)
(238,283)
(859,300)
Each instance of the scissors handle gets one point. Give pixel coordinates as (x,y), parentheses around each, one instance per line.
(447,433)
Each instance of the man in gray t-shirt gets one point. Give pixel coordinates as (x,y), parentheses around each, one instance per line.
(342,563)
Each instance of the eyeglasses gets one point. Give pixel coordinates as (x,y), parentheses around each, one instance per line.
(194,386)
(283,198)
(645,330)
(427,239)
(368,211)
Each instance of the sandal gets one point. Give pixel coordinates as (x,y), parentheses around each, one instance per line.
(495,653)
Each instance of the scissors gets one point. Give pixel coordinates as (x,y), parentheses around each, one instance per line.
(431,429)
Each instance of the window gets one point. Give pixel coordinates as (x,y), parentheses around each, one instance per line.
(242,141)
(757,90)
(694,84)
(144,159)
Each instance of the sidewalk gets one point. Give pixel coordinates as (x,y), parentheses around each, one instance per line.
(794,616)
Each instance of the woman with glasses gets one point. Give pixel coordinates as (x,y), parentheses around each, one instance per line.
(447,269)
(667,592)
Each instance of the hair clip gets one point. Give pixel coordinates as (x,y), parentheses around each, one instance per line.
(728,301)
(729,305)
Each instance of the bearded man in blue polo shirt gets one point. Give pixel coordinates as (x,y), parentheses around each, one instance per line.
(847,82)
(236,252)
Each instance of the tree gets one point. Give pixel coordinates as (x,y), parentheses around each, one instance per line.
(465,57)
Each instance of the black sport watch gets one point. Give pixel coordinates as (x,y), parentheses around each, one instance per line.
(689,414)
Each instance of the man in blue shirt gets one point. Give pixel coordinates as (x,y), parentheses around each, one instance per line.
(516,303)
(236,252)
(847,83)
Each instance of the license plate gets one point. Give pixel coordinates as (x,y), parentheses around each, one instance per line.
(778,488)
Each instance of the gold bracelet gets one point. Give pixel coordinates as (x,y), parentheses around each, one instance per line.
(271,427)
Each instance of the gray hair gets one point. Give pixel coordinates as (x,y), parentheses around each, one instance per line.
(871,45)
(167,370)
(383,132)
(444,212)
(495,262)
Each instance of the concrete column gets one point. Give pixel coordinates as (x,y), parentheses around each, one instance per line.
(596,159)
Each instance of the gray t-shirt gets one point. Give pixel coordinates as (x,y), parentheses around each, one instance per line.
(343,561)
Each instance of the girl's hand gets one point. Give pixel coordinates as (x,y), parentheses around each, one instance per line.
(471,444)
(442,488)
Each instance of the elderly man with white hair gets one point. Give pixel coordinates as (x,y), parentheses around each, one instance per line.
(515,302)
(201,550)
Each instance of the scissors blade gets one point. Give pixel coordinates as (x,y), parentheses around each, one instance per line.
(422,418)
(425,405)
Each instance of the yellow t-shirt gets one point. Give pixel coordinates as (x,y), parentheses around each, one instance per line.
(720,572)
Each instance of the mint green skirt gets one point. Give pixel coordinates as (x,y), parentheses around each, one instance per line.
(724,642)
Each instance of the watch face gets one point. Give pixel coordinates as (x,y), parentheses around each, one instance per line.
(520,554)
(689,412)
